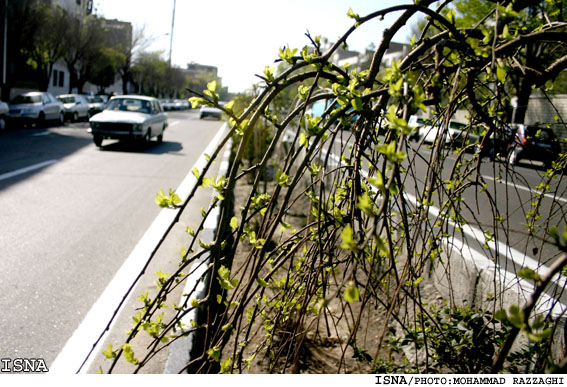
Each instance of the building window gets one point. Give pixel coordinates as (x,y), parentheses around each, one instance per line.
(78,2)
(55,77)
(61,79)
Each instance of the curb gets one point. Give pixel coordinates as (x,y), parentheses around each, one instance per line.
(183,350)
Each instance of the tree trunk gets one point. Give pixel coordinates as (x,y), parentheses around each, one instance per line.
(523,99)
(45,77)
(125,83)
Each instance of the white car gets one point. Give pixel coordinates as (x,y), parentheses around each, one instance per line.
(35,107)
(210,111)
(417,122)
(75,106)
(130,118)
(454,135)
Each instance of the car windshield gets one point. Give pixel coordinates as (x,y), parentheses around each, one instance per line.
(66,99)
(26,99)
(129,105)
(457,125)
(541,134)
(94,99)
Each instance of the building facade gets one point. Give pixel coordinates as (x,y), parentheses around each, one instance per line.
(16,74)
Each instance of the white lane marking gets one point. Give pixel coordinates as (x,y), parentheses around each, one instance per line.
(77,348)
(41,134)
(21,171)
(498,247)
(523,188)
(173,123)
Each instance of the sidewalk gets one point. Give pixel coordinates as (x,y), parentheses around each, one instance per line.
(166,260)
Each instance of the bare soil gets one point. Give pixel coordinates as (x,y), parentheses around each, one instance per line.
(324,339)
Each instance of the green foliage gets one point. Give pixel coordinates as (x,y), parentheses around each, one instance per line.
(164,201)
(460,340)
(341,219)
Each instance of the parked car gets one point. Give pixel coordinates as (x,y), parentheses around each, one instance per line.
(3,112)
(36,107)
(180,104)
(417,122)
(167,104)
(455,135)
(533,143)
(131,118)
(210,111)
(75,106)
(496,145)
(96,104)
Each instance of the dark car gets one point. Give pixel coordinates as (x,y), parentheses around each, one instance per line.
(3,112)
(533,143)
(497,144)
(96,104)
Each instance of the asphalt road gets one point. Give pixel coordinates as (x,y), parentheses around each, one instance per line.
(509,193)
(70,214)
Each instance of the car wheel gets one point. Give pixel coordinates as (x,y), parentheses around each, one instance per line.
(2,123)
(40,123)
(61,120)
(75,117)
(160,138)
(97,140)
(148,138)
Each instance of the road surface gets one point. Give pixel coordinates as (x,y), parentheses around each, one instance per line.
(70,215)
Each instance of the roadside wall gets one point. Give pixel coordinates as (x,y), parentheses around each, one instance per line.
(544,111)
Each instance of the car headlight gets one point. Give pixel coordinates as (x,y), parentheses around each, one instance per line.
(137,127)
(95,125)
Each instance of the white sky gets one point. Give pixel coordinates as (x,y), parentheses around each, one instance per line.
(242,37)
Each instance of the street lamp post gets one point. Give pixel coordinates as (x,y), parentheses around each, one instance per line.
(171,35)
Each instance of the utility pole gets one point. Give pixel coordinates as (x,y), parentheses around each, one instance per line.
(171,35)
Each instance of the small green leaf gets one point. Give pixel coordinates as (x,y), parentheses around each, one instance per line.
(214,353)
(212,86)
(129,354)
(352,15)
(356,104)
(378,181)
(269,73)
(501,315)
(554,233)
(303,141)
(516,317)
(161,199)
(366,204)
(351,292)
(226,327)
(109,353)
(528,274)
(348,241)
(282,178)
(234,223)
(303,91)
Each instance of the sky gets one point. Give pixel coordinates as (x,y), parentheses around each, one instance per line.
(241,37)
